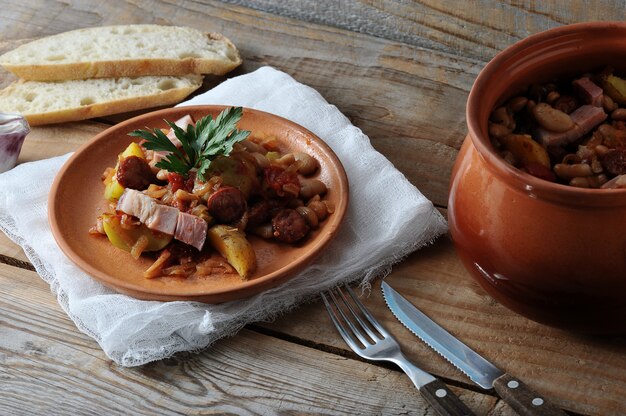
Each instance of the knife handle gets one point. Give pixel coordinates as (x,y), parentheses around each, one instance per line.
(523,399)
(443,401)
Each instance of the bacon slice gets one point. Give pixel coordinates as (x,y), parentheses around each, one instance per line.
(185,227)
(157,156)
(585,118)
(588,91)
(182,123)
(191,230)
(155,216)
(616,182)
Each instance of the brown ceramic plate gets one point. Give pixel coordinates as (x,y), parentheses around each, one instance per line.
(76,199)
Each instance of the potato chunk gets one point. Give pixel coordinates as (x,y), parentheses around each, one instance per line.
(233,245)
(525,149)
(127,237)
(615,87)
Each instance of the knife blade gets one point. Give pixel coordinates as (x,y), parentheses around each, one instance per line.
(517,394)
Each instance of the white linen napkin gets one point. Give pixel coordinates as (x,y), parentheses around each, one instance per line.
(387,219)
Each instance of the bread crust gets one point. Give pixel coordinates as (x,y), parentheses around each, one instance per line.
(128,67)
(101,109)
(189,53)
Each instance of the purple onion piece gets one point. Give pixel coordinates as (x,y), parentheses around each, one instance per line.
(13,131)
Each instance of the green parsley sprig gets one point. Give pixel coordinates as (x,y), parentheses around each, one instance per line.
(201,144)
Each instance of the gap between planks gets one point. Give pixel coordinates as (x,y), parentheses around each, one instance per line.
(229,374)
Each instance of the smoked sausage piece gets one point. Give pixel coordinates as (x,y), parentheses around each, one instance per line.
(135,173)
(259,213)
(614,162)
(289,226)
(227,204)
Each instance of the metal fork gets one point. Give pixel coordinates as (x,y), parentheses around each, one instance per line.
(375,343)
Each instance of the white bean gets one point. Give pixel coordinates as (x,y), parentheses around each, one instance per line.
(619,114)
(307,163)
(311,187)
(553,96)
(608,104)
(569,172)
(319,207)
(552,119)
(501,115)
(499,130)
(309,216)
(162,175)
(518,103)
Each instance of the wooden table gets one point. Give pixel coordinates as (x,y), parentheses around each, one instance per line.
(401,71)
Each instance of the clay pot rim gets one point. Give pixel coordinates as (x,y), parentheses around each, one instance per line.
(532,185)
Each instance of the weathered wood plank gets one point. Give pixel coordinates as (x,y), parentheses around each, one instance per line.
(584,375)
(478,31)
(402,97)
(55,140)
(248,374)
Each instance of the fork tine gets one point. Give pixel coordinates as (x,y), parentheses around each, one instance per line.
(367,314)
(387,348)
(340,327)
(348,321)
(373,336)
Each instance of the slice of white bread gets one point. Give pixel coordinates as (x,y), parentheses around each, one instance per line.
(122,51)
(61,101)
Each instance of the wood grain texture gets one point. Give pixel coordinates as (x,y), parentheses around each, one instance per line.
(586,375)
(436,393)
(401,96)
(408,95)
(41,351)
(477,29)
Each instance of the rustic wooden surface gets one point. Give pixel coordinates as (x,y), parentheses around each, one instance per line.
(401,71)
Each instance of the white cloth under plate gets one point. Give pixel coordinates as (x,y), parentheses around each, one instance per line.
(387,219)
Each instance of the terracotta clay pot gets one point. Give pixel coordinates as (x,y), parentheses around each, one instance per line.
(551,252)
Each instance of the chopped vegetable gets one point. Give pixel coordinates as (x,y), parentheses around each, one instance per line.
(615,87)
(525,149)
(233,245)
(207,191)
(127,237)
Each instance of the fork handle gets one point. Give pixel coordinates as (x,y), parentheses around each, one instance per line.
(443,400)
(436,393)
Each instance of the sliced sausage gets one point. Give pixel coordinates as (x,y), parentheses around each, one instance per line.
(135,173)
(289,226)
(227,204)
(614,162)
(261,211)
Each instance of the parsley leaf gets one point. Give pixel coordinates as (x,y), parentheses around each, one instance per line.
(201,144)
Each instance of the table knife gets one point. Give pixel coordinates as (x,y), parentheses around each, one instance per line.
(517,394)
